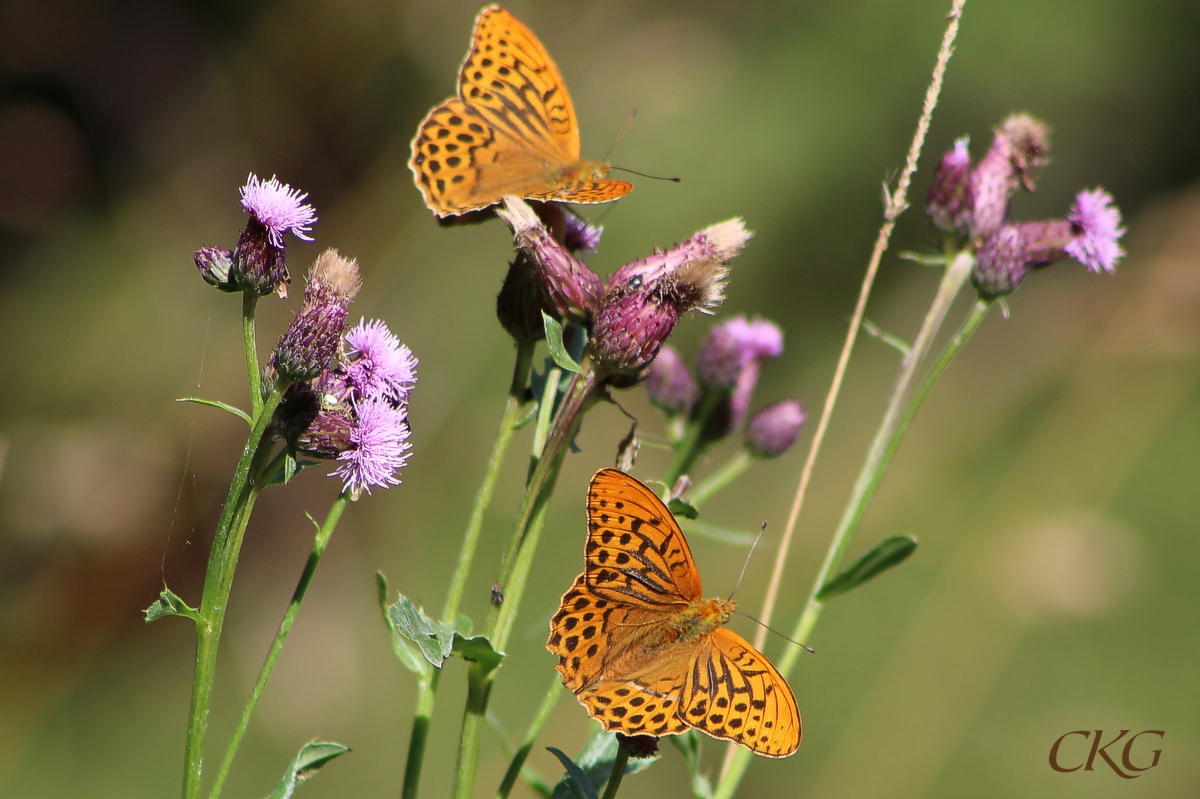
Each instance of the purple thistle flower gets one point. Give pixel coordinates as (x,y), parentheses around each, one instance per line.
(378,364)
(733,345)
(279,208)
(669,384)
(774,429)
(579,236)
(1097,225)
(380,447)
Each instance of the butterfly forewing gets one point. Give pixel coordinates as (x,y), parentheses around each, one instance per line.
(509,77)
(733,692)
(635,551)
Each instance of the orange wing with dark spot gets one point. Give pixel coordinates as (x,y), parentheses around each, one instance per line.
(635,551)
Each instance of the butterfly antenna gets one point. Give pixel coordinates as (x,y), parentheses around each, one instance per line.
(672,178)
(781,635)
(761,530)
(620,134)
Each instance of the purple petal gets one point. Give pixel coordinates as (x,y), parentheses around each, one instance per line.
(279,207)
(1097,224)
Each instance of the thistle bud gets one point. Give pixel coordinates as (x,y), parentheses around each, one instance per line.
(1020,145)
(949,203)
(258,263)
(629,330)
(520,303)
(572,289)
(1001,263)
(329,435)
(310,343)
(699,261)
(1046,241)
(774,429)
(638,747)
(669,384)
(214,264)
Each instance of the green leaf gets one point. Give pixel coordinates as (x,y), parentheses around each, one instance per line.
(408,652)
(924,258)
(596,761)
(169,604)
(577,781)
(554,342)
(291,468)
(898,344)
(311,757)
(886,554)
(684,509)
(529,416)
(435,639)
(221,405)
(477,649)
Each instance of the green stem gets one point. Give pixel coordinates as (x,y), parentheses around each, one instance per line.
(512,415)
(535,728)
(249,304)
(902,405)
(618,773)
(222,562)
(320,542)
(692,445)
(731,470)
(427,687)
(515,570)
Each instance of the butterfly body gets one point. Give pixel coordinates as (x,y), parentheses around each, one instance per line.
(510,130)
(644,653)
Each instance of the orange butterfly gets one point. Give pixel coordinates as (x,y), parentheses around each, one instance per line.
(510,130)
(643,652)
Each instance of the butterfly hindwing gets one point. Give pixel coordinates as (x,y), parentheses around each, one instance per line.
(642,705)
(635,551)
(733,692)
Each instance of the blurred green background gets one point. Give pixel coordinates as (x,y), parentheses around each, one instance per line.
(1052,476)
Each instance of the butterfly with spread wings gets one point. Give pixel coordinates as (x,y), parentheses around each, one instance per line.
(510,130)
(641,649)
